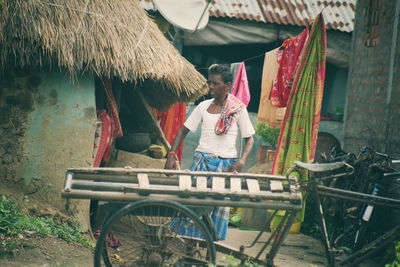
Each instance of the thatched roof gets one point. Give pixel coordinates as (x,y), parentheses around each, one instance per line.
(108,37)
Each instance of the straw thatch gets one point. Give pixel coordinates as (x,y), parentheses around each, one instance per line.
(108,37)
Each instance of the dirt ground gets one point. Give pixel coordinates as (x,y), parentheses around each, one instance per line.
(297,250)
(49,252)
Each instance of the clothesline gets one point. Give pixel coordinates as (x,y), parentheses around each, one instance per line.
(144,30)
(244,60)
(250,58)
(263,54)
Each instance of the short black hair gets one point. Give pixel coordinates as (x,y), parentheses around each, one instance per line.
(221,69)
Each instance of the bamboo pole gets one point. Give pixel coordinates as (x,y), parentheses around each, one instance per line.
(191,201)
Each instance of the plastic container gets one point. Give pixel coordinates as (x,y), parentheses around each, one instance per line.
(294,229)
(233,211)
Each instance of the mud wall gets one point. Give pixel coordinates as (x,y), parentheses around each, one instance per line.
(17,92)
(47,125)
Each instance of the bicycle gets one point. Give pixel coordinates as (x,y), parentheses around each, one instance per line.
(379,184)
(331,173)
(354,223)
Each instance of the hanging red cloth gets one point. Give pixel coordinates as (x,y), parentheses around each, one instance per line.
(171,121)
(288,56)
(298,136)
(108,129)
(112,108)
(102,138)
(240,87)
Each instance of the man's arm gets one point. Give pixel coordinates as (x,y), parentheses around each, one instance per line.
(248,146)
(171,158)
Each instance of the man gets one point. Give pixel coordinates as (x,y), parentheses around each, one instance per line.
(221,118)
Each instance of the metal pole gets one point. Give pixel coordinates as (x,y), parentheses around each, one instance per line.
(202,14)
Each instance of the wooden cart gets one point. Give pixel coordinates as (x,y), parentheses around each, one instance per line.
(151,208)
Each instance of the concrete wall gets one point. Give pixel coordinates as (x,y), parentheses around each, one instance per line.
(373,99)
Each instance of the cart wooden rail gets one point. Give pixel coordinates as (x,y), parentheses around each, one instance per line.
(191,188)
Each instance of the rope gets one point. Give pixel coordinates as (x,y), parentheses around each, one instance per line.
(70,8)
(142,34)
(84,14)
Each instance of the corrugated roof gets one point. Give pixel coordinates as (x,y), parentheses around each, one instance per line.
(240,9)
(338,14)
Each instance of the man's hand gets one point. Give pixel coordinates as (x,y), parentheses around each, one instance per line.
(171,157)
(170,163)
(237,167)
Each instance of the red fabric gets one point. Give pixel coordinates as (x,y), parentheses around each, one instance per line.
(240,87)
(109,130)
(231,106)
(112,109)
(103,139)
(112,240)
(288,56)
(171,121)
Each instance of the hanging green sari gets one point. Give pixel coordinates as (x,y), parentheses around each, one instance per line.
(298,136)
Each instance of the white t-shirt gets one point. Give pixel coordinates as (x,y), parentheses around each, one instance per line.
(224,145)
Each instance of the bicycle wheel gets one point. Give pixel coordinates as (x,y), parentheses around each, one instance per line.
(148,233)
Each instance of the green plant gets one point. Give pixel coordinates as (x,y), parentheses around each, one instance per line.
(250,263)
(268,134)
(14,222)
(396,262)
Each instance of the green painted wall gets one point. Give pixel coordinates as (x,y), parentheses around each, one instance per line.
(59,135)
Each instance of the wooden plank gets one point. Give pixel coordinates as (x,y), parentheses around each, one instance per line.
(79,173)
(185,182)
(147,115)
(218,184)
(236,185)
(143,180)
(276,186)
(160,179)
(68,181)
(174,190)
(253,186)
(201,182)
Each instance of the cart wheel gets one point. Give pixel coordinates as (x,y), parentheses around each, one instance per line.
(150,233)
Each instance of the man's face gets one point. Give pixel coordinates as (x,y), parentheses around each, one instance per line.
(218,88)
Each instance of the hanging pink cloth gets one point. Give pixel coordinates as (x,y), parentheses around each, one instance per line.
(240,87)
(288,56)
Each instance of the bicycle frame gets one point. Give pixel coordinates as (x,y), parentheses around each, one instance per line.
(316,190)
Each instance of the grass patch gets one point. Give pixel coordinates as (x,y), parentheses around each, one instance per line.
(231,261)
(14,224)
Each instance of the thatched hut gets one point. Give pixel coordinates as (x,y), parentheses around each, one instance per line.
(53,55)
